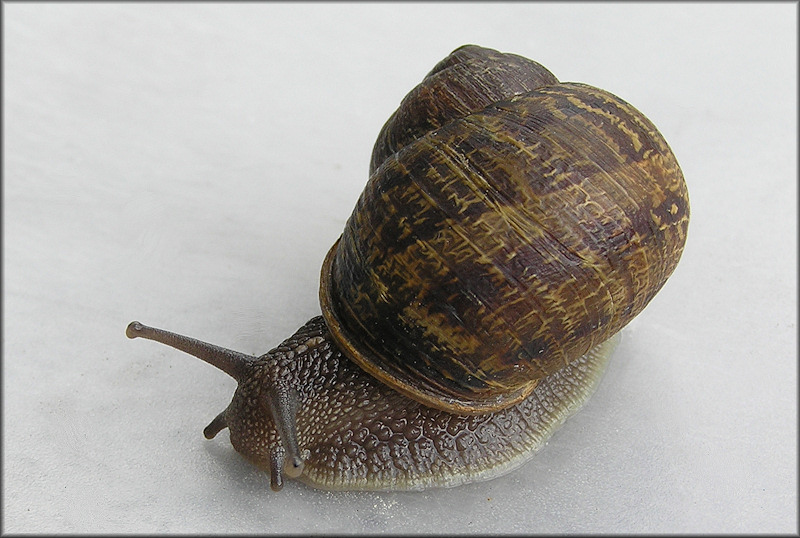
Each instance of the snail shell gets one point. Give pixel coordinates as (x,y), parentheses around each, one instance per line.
(511,226)
(503,235)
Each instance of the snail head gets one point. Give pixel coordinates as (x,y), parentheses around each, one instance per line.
(264,405)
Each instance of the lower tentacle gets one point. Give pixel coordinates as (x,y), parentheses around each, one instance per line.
(216,426)
(277,462)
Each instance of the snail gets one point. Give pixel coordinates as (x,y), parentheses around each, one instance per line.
(510,227)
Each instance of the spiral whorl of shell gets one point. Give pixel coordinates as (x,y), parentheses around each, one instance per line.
(510,223)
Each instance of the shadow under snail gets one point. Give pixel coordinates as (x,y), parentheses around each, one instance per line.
(511,225)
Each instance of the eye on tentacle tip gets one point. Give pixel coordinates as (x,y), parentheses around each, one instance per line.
(134,329)
(293,467)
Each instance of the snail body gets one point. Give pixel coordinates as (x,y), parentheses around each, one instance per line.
(511,226)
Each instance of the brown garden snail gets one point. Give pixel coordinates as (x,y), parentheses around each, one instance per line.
(511,226)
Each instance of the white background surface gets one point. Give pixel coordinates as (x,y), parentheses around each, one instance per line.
(190,165)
